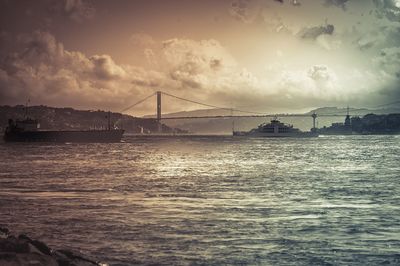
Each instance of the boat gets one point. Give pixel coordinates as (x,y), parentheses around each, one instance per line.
(276,129)
(27,130)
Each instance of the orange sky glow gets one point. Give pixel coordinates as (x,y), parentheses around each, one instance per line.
(267,56)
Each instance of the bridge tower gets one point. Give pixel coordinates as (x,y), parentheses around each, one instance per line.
(159,125)
(314,116)
(347,121)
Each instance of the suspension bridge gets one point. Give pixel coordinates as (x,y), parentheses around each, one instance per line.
(243,113)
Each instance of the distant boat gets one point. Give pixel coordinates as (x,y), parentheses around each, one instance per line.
(276,129)
(27,130)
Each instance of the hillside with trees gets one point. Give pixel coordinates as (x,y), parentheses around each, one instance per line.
(52,118)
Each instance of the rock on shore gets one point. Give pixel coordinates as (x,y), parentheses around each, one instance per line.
(22,250)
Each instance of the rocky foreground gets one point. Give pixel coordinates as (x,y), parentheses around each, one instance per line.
(23,250)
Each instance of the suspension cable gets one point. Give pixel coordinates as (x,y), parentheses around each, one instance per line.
(210,105)
(387,104)
(139,102)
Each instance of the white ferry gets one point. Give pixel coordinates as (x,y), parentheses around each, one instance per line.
(276,129)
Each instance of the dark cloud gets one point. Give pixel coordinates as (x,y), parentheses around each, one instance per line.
(389,60)
(76,10)
(48,74)
(337,3)
(379,37)
(216,64)
(388,8)
(277,41)
(314,32)
(292,2)
(44,71)
(6,41)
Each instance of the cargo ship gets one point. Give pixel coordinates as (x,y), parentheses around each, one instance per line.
(276,129)
(27,130)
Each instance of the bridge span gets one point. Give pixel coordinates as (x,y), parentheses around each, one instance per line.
(246,113)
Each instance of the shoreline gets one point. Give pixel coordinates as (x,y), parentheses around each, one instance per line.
(22,250)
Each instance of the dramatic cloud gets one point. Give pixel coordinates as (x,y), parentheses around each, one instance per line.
(318,82)
(195,63)
(338,3)
(314,32)
(388,8)
(384,36)
(204,70)
(389,60)
(281,56)
(105,68)
(47,73)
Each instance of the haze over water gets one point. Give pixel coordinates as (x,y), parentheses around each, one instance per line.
(209,200)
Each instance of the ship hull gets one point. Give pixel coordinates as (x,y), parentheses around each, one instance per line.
(64,136)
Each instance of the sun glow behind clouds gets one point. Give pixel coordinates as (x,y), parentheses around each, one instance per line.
(284,56)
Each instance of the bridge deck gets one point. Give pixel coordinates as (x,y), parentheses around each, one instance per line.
(249,116)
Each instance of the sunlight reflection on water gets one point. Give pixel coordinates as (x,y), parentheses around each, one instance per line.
(222,200)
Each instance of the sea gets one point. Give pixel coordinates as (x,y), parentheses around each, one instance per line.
(209,200)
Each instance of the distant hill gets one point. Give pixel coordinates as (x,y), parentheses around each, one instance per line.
(354,111)
(321,110)
(71,119)
(225,125)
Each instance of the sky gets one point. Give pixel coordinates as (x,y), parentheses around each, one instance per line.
(264,56)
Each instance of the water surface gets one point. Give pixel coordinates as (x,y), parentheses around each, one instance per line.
(210,200)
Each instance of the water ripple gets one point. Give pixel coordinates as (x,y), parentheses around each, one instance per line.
(325,201)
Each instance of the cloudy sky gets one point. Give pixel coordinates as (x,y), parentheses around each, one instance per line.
(270,55)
